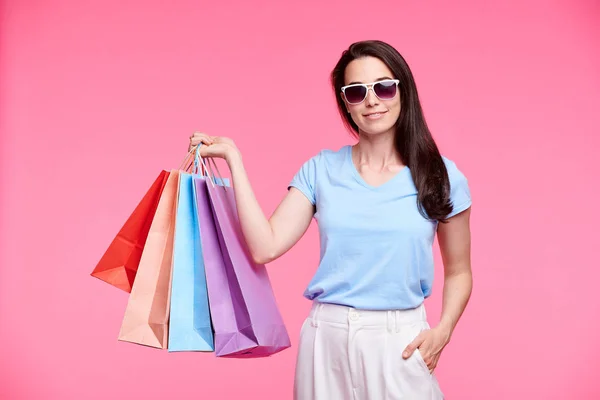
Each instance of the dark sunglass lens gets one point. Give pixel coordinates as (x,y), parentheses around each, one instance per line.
(355,94)
(385,90)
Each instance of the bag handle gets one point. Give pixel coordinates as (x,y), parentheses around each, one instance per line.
(198,159)
(186,161)
(190,161)
(198,162)
(218,172)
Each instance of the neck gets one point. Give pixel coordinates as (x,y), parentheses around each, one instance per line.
(377,151)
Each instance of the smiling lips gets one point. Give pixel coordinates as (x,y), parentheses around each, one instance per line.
(375,115)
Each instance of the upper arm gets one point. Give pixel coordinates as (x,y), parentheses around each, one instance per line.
(292,217)
(454,238)
(290,221)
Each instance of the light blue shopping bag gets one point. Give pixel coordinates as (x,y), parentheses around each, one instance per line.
(190,327)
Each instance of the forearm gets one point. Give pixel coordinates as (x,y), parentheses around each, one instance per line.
(255,226)
(456,294)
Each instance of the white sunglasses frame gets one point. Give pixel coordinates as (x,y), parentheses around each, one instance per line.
(369,86)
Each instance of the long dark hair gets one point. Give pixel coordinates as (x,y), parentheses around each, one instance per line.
(413,140)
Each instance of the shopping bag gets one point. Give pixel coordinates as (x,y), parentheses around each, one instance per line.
(147,314)
(119,263)
(227,314)
(223,293)
(246,318)
(190,328)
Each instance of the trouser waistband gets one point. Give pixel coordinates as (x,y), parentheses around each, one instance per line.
(392,319)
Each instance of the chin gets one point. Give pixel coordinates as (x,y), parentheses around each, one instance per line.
(376,129)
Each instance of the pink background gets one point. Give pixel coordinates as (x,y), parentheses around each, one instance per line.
(97,97)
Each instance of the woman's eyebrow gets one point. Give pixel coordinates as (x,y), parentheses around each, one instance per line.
(379,79)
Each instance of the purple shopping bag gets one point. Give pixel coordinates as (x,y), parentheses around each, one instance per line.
(245,315)
(224,295)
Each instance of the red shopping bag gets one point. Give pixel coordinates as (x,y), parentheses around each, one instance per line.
(118,266)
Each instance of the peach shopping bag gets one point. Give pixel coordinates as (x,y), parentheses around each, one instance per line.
(146,317)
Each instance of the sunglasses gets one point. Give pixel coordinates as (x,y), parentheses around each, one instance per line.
(357,93)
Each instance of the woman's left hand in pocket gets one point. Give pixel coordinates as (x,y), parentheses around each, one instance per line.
(430,343)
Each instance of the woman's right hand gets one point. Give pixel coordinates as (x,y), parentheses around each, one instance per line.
(213,146)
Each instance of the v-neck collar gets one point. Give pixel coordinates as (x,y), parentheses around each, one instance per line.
(361,180)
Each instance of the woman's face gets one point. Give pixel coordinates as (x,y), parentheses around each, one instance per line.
(373,115)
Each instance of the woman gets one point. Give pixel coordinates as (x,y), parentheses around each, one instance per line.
(378,205)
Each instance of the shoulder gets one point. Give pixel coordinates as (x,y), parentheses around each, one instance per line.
(315,170)
(454,172)
(328,157)
(460,193)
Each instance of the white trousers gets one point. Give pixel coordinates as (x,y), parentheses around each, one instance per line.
(351,354)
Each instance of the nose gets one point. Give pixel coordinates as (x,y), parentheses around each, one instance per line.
(371,99)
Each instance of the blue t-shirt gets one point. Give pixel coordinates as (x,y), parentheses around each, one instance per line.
(376,249)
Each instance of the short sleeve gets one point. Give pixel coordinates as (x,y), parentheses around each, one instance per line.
(305,179)
(460,194)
